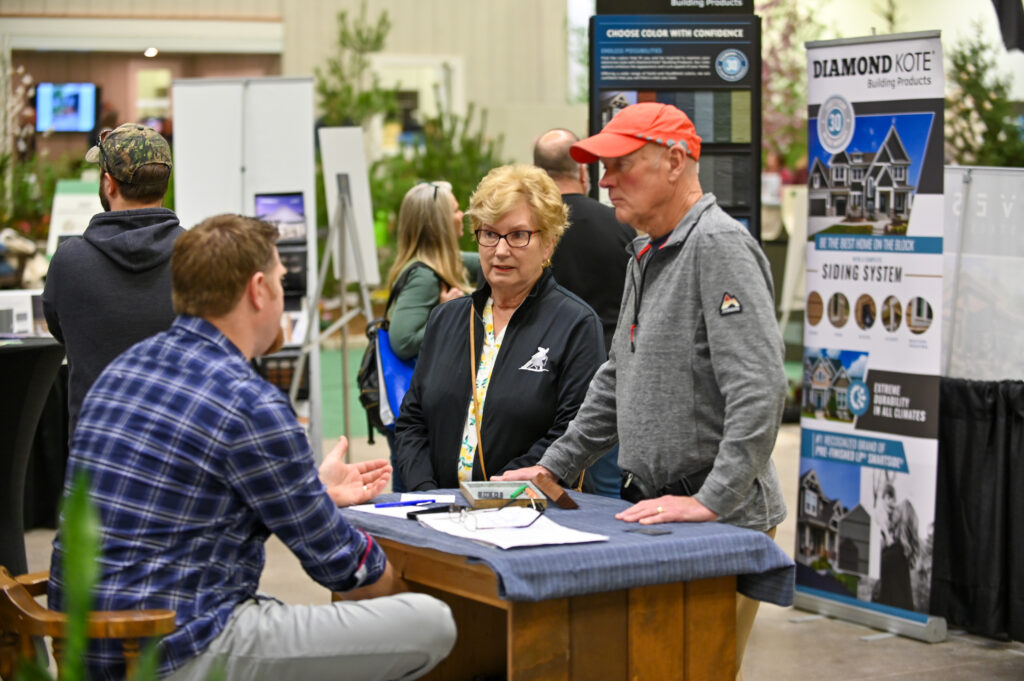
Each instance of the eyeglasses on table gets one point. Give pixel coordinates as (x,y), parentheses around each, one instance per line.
(490,518)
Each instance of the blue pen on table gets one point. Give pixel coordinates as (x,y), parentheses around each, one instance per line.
(411,502)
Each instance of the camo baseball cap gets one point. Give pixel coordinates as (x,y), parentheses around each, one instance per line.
(128,147)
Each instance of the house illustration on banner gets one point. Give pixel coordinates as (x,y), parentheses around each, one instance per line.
(862,185)
(825,529)
(855,541)
(826,378)
(817,521)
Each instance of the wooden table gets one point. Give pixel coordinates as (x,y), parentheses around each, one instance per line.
(682,631)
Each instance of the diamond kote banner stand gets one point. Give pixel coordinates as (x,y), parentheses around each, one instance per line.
(872,332)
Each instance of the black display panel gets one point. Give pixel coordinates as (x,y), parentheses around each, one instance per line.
(707,65)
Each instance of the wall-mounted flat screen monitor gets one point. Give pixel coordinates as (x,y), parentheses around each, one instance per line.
(65,107)
(286,212)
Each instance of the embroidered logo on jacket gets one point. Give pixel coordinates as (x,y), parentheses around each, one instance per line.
(730,305)
(539,361)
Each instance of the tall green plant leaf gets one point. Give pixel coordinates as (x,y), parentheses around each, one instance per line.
(149,664)
(30,670)
(80,535)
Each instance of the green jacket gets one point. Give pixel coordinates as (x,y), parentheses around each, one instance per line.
(407,316)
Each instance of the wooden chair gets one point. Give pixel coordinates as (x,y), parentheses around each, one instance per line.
(22,618)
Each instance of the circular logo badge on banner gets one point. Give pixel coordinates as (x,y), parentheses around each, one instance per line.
(732,65)
(857,397)
(835,124)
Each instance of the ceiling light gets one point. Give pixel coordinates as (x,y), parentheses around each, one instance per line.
(151,52)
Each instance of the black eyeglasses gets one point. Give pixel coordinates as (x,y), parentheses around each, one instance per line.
(488,519)
(520,238)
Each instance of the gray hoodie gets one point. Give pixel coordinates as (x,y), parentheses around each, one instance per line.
(108,290)
(701,383)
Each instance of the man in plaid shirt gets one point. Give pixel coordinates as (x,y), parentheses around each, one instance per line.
(194,460)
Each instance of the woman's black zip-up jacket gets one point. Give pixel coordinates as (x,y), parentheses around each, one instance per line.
(530,400)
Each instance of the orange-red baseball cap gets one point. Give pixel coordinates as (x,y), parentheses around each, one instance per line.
(635,126)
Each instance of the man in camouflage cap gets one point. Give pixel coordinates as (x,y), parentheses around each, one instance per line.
(127,149)
(111,287)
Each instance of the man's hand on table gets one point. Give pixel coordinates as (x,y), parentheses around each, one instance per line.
(528,473)
(390,582)
(667,509)
(349,484)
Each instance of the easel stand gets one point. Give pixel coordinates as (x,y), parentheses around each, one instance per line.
(342,233)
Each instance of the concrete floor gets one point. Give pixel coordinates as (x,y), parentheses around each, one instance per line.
(786,644)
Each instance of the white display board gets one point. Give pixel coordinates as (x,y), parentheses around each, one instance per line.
(984,256)
(18,314)
(209,157)
(239,139)
(344,164)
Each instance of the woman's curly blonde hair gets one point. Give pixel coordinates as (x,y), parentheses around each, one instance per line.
(505,187)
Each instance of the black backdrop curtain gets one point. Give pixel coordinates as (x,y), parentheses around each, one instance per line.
(978,559)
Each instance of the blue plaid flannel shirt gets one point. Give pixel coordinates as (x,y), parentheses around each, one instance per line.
(193,461)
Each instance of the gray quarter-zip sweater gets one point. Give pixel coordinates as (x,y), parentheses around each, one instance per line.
(695,375)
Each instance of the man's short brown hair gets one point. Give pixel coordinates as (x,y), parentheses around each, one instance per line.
(139,158)
(212,263)
(149,184)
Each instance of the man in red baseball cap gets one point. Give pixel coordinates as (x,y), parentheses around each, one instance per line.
(643,137)
(696,359)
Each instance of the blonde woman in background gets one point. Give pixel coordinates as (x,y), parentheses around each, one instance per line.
(433,269)
(429,227)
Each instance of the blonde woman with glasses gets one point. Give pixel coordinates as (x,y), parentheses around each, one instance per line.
(502,371)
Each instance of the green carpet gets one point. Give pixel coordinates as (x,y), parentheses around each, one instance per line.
(330,387)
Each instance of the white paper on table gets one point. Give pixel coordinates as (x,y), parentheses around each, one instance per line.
(503,528)
(401,511)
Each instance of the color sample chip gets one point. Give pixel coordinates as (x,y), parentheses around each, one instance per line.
(723,115)
(740,133)
(727,176)
(703,115)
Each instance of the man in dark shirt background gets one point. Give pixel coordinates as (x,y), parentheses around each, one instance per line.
(111,287)
(590,259)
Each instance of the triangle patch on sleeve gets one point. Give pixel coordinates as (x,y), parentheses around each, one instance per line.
(730,304)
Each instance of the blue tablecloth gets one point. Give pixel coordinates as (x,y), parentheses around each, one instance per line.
(690,552)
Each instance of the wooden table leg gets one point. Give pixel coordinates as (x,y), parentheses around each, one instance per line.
(710,644)
(599,624)
(683,631)
(656,627)
(538,641)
